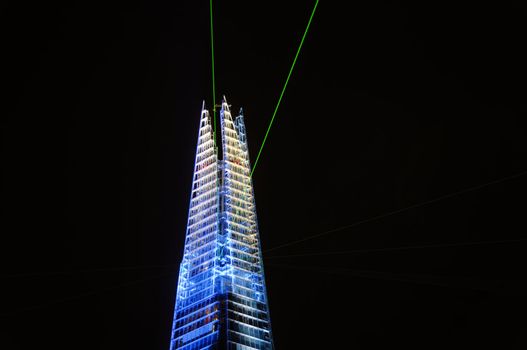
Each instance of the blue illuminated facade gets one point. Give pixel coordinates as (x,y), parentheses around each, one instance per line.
(221,300)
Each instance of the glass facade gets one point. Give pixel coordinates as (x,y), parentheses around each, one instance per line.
(221,300)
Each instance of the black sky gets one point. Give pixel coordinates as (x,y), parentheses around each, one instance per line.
(391,104)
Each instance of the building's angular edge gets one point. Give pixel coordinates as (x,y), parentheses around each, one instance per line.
(196,314)
(239,123)
(248,321)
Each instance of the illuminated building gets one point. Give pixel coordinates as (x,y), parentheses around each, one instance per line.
(221,300)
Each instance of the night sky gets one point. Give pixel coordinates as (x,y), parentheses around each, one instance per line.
(391,104)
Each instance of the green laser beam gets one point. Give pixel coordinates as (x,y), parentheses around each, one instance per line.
(83,295)
(397,211)
(285,86)
(417,278)
(213,79)
(414,247)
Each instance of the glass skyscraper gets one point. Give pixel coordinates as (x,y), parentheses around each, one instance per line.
(221,300)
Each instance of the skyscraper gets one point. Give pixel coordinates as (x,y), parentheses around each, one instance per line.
(221,300)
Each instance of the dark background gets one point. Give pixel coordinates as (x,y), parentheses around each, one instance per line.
(391,104)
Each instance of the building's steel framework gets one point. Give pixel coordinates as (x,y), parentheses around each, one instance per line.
(221,300)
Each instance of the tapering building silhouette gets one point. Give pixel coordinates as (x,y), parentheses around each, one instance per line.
(221,300)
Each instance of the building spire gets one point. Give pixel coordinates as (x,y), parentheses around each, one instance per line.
(224,105)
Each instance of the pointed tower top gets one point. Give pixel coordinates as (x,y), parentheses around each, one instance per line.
(203,109)
(241,111)
(224,105)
